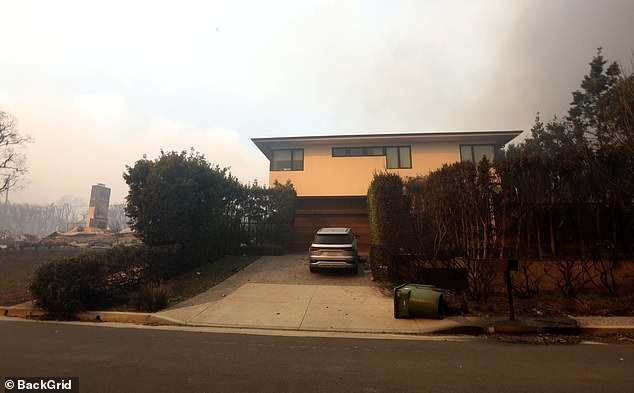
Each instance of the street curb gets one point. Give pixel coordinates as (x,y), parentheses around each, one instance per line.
(469,328)
(18,312)
(466,330)
(573,330)
(605,330)
(307,330)
(140,318)
(521,330)
(163,320)
(97,316)
(113,316)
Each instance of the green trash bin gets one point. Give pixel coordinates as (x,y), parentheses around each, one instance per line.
(417,300)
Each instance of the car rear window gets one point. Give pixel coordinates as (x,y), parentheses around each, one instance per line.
(331,239)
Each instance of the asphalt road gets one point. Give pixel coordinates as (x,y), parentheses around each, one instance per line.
(148,360)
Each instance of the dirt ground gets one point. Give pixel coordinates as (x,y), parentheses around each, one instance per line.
(17,268)
(554,304)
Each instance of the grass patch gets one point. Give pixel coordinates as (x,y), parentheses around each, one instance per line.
(202,278)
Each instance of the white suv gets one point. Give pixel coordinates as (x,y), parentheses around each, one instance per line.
(334,248)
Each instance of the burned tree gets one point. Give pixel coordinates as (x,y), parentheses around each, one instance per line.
(12,163)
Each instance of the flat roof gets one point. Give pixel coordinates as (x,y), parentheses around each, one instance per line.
(390,135)
(501,137)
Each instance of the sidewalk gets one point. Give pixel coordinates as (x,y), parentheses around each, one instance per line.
(355,309)
(361,309)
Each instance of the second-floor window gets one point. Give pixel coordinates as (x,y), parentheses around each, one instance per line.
(288,160)
(475,153)
(397,157)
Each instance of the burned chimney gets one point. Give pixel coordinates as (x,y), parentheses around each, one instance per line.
(98,208)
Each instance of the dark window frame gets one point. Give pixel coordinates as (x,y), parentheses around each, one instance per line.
(399,159)
(347,153)
(352,151)
(472,151)
(292,160)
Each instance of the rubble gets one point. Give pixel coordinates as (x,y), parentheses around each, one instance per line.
(78,237)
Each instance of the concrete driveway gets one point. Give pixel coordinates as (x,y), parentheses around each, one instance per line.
(278,292)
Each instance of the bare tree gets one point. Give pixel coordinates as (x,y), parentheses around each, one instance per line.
(12,163)
(37,220)
(117,220)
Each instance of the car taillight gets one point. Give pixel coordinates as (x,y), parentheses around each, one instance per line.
(314,249)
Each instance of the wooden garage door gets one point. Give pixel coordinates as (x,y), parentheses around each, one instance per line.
(313,213)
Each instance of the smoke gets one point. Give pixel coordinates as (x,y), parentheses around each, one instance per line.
(99,88)
(77,145)
(416,66)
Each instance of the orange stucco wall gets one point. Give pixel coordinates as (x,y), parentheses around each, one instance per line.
(324,175)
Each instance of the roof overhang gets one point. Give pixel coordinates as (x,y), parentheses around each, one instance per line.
(500,138)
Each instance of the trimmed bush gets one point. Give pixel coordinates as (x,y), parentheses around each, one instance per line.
(266,216)
(180,199)
(101,279)
(386,213)
(386,205)
(65,287)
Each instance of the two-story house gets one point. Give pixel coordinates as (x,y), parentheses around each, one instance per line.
(332,173)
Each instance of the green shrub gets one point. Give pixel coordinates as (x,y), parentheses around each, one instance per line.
(386,205)
(101,279)
(386,215)
(266,217)
(65,287)
(149,298)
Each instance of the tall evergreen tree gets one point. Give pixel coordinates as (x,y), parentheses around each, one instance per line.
(552,138)
(589,110)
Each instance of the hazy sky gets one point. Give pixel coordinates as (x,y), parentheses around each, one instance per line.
(99,84)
